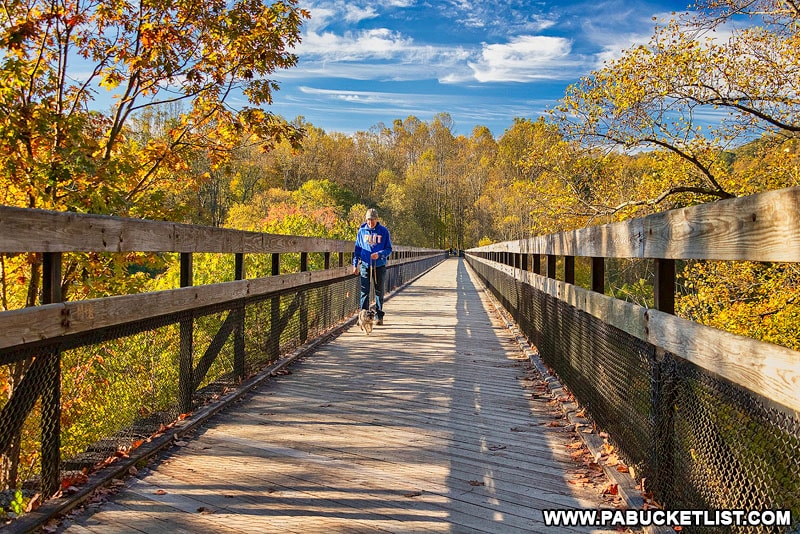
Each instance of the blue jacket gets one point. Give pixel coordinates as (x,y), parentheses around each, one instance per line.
(369,240)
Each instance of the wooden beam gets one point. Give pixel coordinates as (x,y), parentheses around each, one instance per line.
(769,370)
(762,227)
(32,230)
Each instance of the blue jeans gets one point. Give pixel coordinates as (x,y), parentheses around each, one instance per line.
(379,273)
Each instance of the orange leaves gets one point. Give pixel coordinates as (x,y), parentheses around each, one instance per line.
(74,480)
(611,489)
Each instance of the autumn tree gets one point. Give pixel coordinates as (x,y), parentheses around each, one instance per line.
(58,152)
(655,95)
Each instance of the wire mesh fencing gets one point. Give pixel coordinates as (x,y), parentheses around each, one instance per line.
(80,401)
(697,440)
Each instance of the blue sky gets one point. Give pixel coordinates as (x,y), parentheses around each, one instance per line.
(365,62)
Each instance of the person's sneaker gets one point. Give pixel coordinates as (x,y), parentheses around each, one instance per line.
(379,322)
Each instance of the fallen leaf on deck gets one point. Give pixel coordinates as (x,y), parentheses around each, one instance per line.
(611,489)
(476,483)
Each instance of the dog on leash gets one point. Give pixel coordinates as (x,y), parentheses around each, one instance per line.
(366,321)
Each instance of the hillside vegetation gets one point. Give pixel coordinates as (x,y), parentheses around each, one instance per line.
(624,142)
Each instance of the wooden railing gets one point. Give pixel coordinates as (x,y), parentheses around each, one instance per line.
(694,390)
(764,228)
(53,233)
(37,335)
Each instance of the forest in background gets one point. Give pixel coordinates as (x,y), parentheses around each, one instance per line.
(625,141)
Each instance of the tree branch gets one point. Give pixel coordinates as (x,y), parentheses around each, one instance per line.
(669,192)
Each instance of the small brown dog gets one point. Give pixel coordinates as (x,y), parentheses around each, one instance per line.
(366,321)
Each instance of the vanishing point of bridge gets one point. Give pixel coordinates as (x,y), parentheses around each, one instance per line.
(244,403)
(434,423)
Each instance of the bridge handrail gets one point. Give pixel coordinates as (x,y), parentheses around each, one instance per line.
(280,310)
(27,230)
(34,230)
(762,227)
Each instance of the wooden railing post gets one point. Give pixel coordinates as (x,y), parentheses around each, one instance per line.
(569,269)
(551,266)
(599,275)
(304,300)
(238,340)
(274,344)
(186,372)
(664,286)
(51,397)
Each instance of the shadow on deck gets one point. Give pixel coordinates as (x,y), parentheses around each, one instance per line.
(431,424)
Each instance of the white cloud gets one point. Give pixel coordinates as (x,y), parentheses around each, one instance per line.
(356,14)
(613,50)
(360,97)
(380,43)
(525,58)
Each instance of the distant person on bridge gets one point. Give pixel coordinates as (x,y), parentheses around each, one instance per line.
(373,246)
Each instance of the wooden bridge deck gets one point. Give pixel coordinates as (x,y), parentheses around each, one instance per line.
(427,425)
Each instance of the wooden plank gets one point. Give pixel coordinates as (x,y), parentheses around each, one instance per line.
(762,227)
(26,230)
(31,230)
(769,370)
(28,325)
(408,429)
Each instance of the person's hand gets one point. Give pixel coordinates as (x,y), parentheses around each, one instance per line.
(374,256)
(355,269)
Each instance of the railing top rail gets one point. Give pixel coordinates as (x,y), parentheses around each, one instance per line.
(33,230)
(762,227)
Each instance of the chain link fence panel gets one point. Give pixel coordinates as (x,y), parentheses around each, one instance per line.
(697,440)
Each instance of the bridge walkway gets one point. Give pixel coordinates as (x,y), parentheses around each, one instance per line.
(434,423)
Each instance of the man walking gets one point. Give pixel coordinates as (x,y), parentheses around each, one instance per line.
(373,247)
